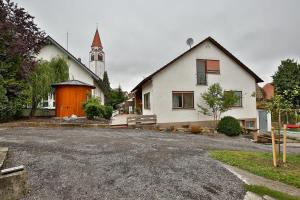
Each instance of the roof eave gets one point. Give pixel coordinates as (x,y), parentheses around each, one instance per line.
(256,77)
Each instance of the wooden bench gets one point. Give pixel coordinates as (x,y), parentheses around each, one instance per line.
(141,120)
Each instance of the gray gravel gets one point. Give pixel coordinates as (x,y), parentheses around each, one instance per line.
(123,164)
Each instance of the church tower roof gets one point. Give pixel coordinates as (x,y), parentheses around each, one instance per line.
(97,40)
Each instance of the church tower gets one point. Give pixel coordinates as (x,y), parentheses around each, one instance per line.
(97,56)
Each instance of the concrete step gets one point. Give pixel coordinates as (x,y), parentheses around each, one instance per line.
(3,155)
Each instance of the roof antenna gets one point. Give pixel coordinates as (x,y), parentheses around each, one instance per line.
(190,42)
(97,25)
(67,41)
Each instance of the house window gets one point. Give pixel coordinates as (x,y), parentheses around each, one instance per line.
(201,72)
(239,102)
(92,57)
(250,124)
(206,67)
(182,100)
(45,104)
(147,101)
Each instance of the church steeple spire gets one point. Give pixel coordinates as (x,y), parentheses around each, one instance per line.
(97,40)
(97,56)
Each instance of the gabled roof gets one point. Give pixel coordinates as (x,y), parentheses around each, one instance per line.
(97,79)
(97,40)
(73,82)
(210,39)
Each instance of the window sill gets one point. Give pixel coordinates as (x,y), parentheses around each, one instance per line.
(237,107)
(183,109)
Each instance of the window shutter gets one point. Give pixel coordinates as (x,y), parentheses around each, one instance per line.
(201,72)
(213,66)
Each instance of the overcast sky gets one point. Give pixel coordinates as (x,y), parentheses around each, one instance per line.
(141,36)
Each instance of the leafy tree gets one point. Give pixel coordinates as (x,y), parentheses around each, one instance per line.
(20,40)
(60,69)
(106,81)
(40,84)
(287,80)
(217,101)
(115,97)
(45,74)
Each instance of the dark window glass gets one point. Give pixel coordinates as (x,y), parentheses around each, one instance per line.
(177,100)
(239,101)
(92,57)
(147,100)
(201,72)
(100,57)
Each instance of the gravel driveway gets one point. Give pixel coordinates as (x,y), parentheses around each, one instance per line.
(122,164)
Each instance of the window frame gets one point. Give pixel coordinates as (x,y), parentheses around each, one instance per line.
(241,98)
(182,100)
(148,105)
(197,80)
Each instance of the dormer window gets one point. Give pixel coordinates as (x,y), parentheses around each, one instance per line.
(92,57)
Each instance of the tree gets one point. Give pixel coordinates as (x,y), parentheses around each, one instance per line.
(115,97)
(60,69)
(20,41)
(277,105)
(45,74)
(287,79)
(40,84)
(106,82)
(217,101)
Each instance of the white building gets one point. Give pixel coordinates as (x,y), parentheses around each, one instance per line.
(173,92)
(77,70)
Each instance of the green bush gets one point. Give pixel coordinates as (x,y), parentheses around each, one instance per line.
(108,110)
(229,126)
(93,108)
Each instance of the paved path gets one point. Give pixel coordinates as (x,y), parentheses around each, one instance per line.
(120,119)
(65,163)
(252,179)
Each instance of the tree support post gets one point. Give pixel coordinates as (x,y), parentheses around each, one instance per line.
(284,144)
(274,147)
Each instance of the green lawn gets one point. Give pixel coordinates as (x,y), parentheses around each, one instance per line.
(261,164)
(261,191)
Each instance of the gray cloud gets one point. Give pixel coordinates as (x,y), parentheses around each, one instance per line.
(140,36)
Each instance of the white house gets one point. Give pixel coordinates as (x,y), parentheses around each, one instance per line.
(173,92)
(92,75)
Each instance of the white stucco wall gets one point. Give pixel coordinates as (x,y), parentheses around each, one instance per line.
(181,76)
(76,72)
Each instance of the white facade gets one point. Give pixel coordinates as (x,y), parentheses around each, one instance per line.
(76,71)
(181,76)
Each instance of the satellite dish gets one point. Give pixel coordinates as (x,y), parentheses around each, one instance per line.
(190,42)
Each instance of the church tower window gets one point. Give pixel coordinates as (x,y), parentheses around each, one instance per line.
(100,57)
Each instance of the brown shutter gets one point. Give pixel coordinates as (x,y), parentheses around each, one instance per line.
(213,66)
